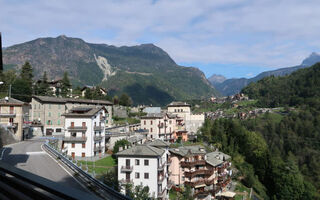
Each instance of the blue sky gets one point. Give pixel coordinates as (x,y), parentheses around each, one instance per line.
(235,38)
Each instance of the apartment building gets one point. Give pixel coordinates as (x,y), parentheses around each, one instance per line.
(145,165)
(207,174)
(46,112)
(189,122)
(85,131)
(13,114)
(159,125)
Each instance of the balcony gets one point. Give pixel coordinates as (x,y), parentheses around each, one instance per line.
(97,138)
(77,128)
(8,115)
(162,193)
(74,139)
(126,168)
(161,167)
(195,183)
(126,181)
(97,148)
(160,179)
(202,193)
(192,174)
(192,163)
(98,128)
(12,125)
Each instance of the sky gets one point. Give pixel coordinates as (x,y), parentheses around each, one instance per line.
(235,38)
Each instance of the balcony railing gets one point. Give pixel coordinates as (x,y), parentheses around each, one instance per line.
(192,163)
(201,193)
(97,148)
(75,139)
(126,181)
(77,128)
(98,128)
(198,172)
(194,183)
(126,168)
(97,138)
(8,115)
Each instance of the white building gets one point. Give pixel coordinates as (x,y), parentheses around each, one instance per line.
(145,165)
(85,131)
(191,121)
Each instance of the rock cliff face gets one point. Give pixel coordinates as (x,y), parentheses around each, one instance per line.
(145,72)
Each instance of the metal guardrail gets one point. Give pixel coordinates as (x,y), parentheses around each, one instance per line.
(109,192)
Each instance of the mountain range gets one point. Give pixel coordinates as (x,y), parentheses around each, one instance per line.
(145,72)
(232,86)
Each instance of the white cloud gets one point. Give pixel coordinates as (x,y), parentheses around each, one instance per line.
(265,33)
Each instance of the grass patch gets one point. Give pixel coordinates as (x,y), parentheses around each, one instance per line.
(104,162)
(172,195)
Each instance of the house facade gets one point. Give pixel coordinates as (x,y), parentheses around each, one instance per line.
(159,125)
(207,174)
(85,131)
(13,114)
(147,166)
(47,111)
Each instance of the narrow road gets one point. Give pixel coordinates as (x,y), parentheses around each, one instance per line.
(29,156)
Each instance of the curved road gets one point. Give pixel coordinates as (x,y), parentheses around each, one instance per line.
(29,156)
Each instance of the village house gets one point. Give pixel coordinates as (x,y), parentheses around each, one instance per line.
(46,112)
(145,165)
(13,114)
(159,125)
(87,87)
(85,131)
(206,173)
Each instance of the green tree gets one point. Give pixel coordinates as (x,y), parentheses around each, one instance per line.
(110,178)
(43,87)
(120,143)
(141,193)
(187,193)
(21,90)
(125,100)
(27,73)
(65,85)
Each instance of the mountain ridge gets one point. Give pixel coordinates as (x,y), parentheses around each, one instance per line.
(139,70)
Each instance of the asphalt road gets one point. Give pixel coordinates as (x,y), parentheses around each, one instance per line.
(29,156)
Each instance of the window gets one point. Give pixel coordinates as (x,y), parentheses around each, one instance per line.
(39,106)
(175,110)
(73,134)
(58,130)
(151,122)
(150,129)
(83,124)
(146,175)
(83,154)
(49,114)
(59,106)
(137,162)
(73,145)
(59,115)
(72,124)
(146,162)
(58,122)
(137,175)
(83,145)
(11,109)
(144,122)
(38,114)
(49,106)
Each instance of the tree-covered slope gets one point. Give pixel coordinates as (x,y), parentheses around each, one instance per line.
(146,72)
(300,87)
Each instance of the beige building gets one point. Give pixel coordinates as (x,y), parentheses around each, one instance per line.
(46,112)
(191,122)
(159,125)
(13,114)
(207,174)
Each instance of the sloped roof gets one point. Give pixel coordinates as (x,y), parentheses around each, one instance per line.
(153,116)
(178,103)
(216,158)
(83,111)
(188,150)
(70,100)
(142,150)
(11,101)
(159,143)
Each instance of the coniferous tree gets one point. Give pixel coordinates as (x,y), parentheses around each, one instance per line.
(65,85)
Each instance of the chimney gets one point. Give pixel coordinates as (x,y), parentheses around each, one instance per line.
(1,63)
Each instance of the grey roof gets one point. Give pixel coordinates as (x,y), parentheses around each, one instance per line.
(83,111)
(188,150)
(11,101)
(178,103)
(70,100)
(216,158)
(135,138)
(158,143)
(141,150)
(152,110)
(153,115)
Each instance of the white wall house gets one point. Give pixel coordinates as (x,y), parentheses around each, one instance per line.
(145,165)
(85,131)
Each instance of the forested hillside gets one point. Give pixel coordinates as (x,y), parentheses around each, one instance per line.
(277,154)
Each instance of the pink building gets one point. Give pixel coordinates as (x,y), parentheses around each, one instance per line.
(206,173)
